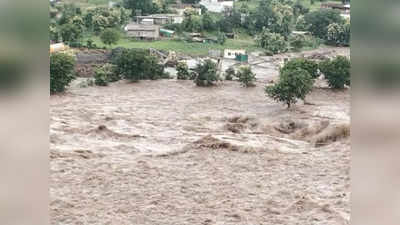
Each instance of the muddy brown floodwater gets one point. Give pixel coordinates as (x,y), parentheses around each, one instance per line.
(167,152)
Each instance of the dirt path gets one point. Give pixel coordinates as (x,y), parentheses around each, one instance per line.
(167,152)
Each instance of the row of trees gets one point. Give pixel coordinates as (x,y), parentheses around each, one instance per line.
(68,22)
(205,74)
(130,64)
(296,78)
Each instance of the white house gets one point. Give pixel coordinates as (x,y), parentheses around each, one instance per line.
(217,6)
(232,53)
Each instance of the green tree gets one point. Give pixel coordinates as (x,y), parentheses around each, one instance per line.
(273,43)
(246,76)
(100,77)
(105,74)
(137,64)
(54,33)
(206,73)
(292,85)
(183,71)
(146,6)
(283,19)
(299,8)
(338,34)
(261,17)
(336,71)
(318,21)
(192,22)
(277,16)
(69,11)
(61,71)
(99,18)
(110,36)
(308,65)
(230,73)
(208,22)
(70,33)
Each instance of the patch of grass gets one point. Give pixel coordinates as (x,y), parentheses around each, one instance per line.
(188,48)
(90,3)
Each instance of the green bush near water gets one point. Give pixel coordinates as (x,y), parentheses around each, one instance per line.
(61,71)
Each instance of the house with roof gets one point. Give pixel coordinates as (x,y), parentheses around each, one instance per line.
(217,6)
(160,19)
(143,31)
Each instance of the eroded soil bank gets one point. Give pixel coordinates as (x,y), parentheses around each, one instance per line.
(167,152)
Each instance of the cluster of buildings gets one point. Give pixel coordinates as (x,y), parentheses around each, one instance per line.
(149,27)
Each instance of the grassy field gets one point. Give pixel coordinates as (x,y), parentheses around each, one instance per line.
(187,48)
(89,3)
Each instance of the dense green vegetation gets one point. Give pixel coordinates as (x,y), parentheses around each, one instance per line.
(185,47)
(293,84)
(182,71)
(336,71)
(109,36)
(61,71)
(308,65)
(268,26)
(137,64)
(230,73)
(206,73)
(246,76)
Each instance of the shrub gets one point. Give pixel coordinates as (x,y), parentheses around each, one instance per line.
(105,74)
(116,53)
(90,44)
(229,73)
(152,69)
(70,33)
(337,72)
(338,34)
(308,65)
(206,73)
(110,71)
(61,71)
(208,22)
(293,84)
(100,77)
(297,42)
(109,36)
(273,43)
(183,71)
(246,76)
(136,64)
